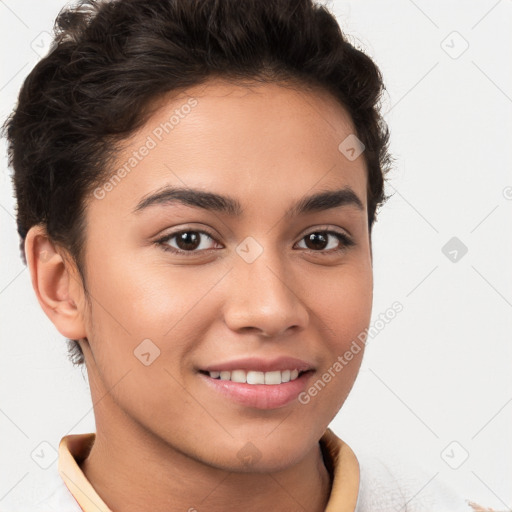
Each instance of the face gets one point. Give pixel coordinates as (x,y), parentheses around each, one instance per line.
(191,292)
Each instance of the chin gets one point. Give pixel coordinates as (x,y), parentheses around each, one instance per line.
(262,453)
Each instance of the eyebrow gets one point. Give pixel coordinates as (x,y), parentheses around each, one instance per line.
(211,201)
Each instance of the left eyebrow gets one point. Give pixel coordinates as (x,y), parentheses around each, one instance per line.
(325,201)
(211,201)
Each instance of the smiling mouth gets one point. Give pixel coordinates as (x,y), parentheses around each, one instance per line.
(271,378)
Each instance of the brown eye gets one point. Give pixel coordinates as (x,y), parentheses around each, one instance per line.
(317,241)
(327,241)
(187,241)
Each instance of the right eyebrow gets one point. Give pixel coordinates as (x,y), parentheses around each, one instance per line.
(191,197)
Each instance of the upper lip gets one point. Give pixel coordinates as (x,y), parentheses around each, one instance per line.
(260,365)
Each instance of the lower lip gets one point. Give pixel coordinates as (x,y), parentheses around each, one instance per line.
(260,396)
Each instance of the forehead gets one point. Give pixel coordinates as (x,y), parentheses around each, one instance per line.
(257,140)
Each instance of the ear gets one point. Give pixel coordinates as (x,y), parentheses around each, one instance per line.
(56,283)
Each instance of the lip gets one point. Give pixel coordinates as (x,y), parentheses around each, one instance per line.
(260,365)
(259,396)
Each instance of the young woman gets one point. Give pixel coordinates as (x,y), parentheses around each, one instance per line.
(197,183)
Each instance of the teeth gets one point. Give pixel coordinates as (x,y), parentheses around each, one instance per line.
(238,376)
(255,377)
(273,377)
(252,377)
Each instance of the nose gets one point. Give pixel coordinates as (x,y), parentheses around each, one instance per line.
(265,297)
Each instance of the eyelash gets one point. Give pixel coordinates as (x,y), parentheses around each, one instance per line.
(346,242)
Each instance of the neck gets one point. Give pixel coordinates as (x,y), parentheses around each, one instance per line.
(133,470)
(132,473)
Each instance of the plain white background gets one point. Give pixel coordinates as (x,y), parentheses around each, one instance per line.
(435,386)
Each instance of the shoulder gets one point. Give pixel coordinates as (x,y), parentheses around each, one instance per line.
(392,486)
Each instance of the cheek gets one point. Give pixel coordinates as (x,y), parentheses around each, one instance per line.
(342,308)
(146,301)
(342,304)
(147,320)
(142,330)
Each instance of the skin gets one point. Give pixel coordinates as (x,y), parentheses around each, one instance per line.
(159,427)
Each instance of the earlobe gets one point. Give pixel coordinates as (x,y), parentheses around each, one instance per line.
(57,288)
